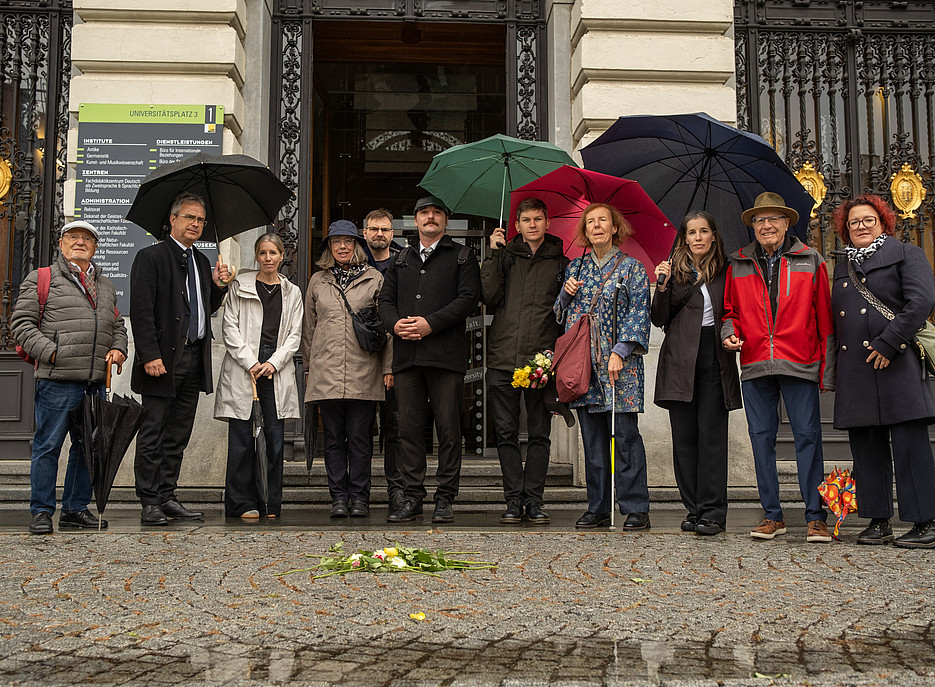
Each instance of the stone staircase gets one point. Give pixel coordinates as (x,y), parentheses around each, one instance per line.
(481,487)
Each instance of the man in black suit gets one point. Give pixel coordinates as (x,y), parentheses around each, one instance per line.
(428,292)
(172,296)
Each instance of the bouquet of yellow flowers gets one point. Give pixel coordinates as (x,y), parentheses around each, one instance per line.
(535,373)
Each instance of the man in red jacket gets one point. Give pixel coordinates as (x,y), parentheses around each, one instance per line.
(777,313)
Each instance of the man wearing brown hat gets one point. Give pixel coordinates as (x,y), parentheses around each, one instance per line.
(429,290)
(777,313)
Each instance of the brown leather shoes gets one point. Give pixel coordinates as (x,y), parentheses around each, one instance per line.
(769,529)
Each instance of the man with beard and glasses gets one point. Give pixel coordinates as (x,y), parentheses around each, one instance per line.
(378,235)
(428,292)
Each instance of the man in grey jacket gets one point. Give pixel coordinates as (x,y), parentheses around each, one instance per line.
(67,320)
(520,281)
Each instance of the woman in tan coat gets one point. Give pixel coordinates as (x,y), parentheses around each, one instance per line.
(343,378)
(262,330)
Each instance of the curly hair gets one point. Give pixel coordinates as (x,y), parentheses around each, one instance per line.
(713,261)
(624,230)
(883,209)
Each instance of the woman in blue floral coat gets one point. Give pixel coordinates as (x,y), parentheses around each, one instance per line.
(616,363)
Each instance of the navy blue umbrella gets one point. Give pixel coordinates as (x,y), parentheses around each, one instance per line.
(694,162)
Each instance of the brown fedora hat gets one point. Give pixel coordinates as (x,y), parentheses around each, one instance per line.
(769,201)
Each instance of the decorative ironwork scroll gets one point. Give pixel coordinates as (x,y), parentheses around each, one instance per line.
(847,88)
(35,42)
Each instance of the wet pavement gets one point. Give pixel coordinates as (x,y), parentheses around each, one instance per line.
(201,604)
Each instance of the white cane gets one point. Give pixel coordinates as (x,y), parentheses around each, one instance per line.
(613,416)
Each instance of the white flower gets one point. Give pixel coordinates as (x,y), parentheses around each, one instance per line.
(397,561)
(354,557)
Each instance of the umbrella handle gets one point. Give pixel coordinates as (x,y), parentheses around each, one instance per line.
(253,384)
(107,383)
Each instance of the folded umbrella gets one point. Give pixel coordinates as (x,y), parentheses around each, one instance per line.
(241,193)
(259,444)
(840,493)
(105,428)
(694,162)
(475,178)
(567,191)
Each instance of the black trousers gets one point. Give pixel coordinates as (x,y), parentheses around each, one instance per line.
(699,437)
(166,429)
(523,482)
(241,487)
(415,387)
(389,428)
(911,456)
(347,424)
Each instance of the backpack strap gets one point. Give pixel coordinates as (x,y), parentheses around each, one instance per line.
(464,254)
(45,282)
(402,256)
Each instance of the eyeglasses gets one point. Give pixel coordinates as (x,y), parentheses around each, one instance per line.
(773,219)
(192,218)
(342,241)
(381,229)
(869,222)
(74,238)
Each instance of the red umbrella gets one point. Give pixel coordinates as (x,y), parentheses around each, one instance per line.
(568,191)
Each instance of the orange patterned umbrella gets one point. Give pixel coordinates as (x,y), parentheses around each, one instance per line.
(839,492)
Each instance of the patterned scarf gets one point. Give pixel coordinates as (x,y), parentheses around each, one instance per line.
(346,276)
(858,255)
(87,281)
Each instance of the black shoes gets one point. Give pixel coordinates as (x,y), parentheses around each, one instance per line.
(921,536)
(639,521)
(338,509)
(359,509)
(590,520)
(689,523)
(174,509)
(879,532)
(83,519)
(704,527)
(410,510)
(396,500)
(41,523)
(153,515)
(535,515)
(513,515)
(443,512)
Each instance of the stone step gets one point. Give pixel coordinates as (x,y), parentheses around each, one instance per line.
(474,473)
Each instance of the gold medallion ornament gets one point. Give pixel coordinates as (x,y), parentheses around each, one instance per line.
(6,176)
(814,183)
(907,191)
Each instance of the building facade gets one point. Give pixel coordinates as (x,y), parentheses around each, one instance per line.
(347,100)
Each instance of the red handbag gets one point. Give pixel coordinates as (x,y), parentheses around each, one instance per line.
(571,362)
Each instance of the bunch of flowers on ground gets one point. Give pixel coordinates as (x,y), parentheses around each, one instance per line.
(535,373)
(390,559)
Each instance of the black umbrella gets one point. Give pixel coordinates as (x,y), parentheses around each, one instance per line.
(259,441)
(241,193)
(105,428)
(311,435)
(694,162)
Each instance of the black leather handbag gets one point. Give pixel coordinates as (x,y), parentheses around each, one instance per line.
(371,334)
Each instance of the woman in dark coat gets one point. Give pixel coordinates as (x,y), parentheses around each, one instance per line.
(696,379)
(882,395)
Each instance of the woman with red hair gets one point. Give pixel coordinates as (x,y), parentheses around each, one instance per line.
(882,294)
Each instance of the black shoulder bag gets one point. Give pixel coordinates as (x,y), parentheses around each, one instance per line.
(371,334)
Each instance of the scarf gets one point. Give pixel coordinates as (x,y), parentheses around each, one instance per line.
(86,280)
(346,276)
(858,255)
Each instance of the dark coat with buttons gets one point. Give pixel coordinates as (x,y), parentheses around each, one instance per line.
(442,291)
(899,275)
(159,314)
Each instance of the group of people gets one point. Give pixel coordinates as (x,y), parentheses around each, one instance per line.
(382,327)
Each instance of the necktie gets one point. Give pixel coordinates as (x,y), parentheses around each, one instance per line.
(194,304)
(426,252)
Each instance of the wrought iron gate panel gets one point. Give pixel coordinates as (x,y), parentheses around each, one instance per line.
(35,43)
(291,103)
(846,88)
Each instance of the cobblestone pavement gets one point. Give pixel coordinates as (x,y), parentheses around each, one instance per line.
(203,605)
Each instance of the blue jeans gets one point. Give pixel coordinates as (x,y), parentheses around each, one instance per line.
(761,402)
(629,469)
(53,401)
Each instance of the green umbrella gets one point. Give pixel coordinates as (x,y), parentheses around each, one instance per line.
(470,177)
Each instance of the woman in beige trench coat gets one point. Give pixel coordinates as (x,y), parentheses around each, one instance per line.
(262,330)
(344,379)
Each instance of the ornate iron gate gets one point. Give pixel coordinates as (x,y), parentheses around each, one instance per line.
(35,68)
(291,105)
(844,91)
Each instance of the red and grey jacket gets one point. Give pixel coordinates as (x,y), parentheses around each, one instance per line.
(798,340)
